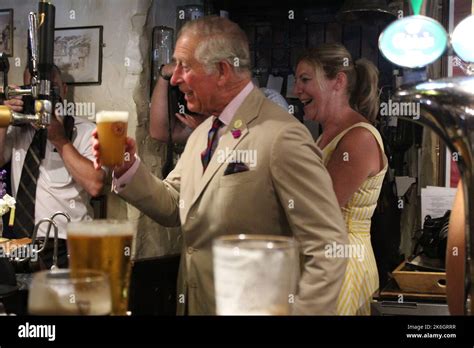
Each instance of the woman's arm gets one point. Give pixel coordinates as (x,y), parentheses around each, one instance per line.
(182,127)
(159,108)
(356,158)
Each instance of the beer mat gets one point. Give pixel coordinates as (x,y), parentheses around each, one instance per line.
(11,244)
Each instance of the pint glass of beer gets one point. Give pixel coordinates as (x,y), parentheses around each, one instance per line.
(104,245)
(255,274)
(112,132)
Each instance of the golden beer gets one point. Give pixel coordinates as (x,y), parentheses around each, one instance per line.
(112,132)
(104,245)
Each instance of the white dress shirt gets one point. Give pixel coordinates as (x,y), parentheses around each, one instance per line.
(56,190)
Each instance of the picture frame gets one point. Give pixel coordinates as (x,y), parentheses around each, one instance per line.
(6,32)
(78,54)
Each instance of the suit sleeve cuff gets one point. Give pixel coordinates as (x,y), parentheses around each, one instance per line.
(119,184)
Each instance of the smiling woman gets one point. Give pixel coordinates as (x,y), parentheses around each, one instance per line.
(343,97)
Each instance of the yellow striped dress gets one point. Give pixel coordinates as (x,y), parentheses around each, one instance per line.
(361,279)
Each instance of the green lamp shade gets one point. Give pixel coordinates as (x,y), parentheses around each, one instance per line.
(413,41)
(416,6)
(462,41)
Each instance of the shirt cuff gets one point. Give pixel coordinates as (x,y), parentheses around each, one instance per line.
(119,184)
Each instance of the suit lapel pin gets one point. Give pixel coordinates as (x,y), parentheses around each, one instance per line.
(236,132)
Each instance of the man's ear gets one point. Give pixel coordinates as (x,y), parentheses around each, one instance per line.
(225,71)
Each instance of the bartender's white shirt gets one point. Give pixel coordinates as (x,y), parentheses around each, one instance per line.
(56,190)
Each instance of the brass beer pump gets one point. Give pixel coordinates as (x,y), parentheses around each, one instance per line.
(41,42)
(447,107)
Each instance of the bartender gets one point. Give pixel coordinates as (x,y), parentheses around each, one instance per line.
(50,172)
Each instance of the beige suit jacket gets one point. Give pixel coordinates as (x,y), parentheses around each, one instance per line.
(289,192)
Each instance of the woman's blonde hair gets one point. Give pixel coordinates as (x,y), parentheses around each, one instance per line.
(362,76)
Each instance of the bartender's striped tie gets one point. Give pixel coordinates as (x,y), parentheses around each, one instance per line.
(211,143)
(26,195)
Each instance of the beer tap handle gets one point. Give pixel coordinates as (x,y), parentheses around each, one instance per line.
(41,118)
(6,116)
(33,35)
(9,117)
(43,111)
(13,92)
(46,16)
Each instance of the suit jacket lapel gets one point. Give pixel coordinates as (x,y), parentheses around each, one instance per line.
(247,112)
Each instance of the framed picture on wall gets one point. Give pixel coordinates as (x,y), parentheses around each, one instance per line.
(6,32)
(78,53)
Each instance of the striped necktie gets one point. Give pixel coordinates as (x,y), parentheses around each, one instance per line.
(211,143)
(26,195)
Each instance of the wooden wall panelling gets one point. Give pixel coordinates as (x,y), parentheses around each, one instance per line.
(316,34)
(263,42)
(369,43)
(333,32)
(351,38)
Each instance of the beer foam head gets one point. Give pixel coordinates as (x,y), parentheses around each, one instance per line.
(101,228)
(111,116)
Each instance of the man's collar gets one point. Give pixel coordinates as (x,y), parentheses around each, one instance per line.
(229,111)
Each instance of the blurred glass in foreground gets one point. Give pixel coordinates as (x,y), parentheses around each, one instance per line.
(61,292)
(255,274)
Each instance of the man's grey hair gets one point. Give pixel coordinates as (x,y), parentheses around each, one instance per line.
(220,39)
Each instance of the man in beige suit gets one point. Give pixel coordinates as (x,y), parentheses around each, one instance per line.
(265,175)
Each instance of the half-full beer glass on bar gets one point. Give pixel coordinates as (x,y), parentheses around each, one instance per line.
(104,245)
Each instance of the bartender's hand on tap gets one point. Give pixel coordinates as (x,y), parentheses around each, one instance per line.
(130,151)
(15,103)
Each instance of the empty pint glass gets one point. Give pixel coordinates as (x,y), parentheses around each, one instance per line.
(255,274)
(104,245)
(112,132)
(62,292)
